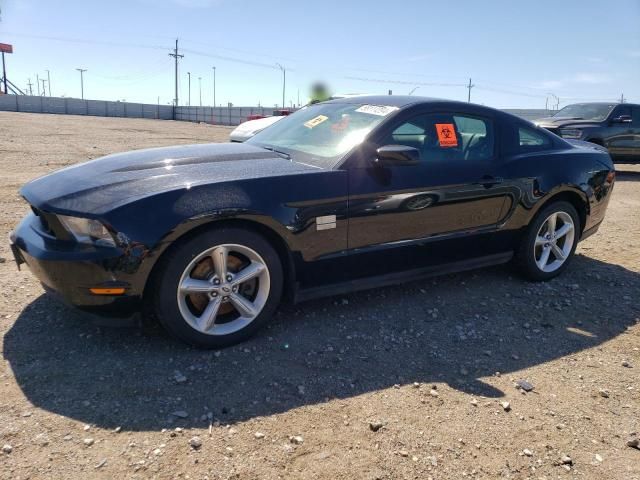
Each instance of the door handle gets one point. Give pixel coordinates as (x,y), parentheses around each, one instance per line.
(489,180)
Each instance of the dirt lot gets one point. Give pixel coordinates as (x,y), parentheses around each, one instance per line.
(430,361)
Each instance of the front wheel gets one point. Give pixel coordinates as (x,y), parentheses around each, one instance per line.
(218,288)
(550,242)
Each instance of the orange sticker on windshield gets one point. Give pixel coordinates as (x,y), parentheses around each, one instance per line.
(447,134)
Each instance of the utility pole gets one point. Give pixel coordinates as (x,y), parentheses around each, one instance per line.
(200,89)
(622,98)
(176,56)
(284,82)
(189,74)
(37,85)
(44,89)
(4,74)
(30,89)
(81,70)
(470,86)
(49,81)
(298,98)
(214,86)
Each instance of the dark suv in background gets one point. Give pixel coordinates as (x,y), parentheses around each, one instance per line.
(615,126)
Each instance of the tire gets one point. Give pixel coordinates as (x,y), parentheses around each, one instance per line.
(196,306)
(530,255)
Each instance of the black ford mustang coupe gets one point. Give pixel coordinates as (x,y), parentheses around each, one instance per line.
(340,196)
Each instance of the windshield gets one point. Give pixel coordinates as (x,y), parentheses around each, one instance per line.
(586,111)
(321,134)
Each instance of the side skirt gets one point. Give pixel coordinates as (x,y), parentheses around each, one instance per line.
(400,277)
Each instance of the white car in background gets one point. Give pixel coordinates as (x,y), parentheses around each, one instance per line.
(248,129)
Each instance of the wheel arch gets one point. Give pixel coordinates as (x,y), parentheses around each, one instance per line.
(194,228)
(574,196)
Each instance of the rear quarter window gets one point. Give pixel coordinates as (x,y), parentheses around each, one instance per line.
(529,138)
(517,136)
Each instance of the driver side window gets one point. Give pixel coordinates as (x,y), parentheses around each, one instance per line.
(446,137)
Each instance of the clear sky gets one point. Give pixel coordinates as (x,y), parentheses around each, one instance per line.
(517,53)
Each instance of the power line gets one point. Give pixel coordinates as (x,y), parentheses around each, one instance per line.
(230,59)
(254,53)
(86,41)
(405,82)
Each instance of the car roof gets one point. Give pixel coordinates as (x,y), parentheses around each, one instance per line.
(604,103)
(593,103)
(403,101)
(390,100)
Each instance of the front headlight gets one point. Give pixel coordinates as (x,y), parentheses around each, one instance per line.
(570,133)
(86,230)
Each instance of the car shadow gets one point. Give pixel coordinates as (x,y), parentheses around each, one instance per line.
(458,329)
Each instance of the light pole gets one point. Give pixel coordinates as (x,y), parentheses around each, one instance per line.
(284,81)
(49,81)
(214,86)
(189,74)
(81,70)
(200,89)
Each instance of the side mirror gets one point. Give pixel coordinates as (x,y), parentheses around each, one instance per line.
(397,155)
(622,119)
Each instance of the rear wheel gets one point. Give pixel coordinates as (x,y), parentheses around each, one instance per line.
(550,242)
(218,288)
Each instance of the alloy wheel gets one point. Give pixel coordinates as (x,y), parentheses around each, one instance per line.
(223,289)
(554,241)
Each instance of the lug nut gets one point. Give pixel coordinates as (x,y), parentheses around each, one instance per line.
(216,281)
(225,298)
(228,278)
(214,294)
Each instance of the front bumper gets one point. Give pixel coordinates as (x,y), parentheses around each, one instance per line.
(69,270)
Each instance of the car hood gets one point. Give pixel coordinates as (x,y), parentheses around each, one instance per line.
(555,122)
(94,187)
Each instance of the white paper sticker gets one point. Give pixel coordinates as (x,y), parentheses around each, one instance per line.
(380,110)
(316,121)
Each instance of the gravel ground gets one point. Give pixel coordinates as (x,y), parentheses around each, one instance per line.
(403,382)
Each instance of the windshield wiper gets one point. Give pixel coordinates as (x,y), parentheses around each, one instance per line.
(272,149)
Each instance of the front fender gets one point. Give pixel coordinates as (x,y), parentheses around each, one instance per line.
(287,206)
